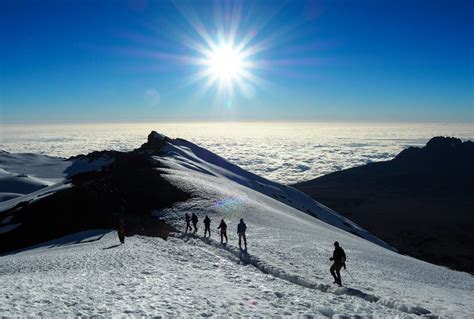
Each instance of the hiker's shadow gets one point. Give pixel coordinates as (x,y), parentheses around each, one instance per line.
(110,247)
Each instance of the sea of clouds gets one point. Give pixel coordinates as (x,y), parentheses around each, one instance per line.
(284,152)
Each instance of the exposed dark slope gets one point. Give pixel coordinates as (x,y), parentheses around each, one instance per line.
(130,188)
(421,202)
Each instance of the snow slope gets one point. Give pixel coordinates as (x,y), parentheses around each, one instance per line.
(26,173)
(285,271)
(183,155)
(47,168)
(19,183)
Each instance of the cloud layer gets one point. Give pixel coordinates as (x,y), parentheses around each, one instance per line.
(283,152)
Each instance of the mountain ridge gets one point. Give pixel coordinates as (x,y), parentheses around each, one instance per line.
(103,186)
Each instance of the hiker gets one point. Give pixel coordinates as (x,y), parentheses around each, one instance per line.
(207,226)
(195,220)
(339,258)
(121,231)
(188,220)
(241,228)
(223,228)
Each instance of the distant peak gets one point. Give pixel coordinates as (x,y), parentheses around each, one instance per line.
(441,142)
(439,147)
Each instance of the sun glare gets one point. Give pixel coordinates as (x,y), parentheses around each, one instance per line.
(225,63)
(226,57)
(228,67)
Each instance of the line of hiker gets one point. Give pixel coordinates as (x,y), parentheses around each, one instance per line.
(338,256)
(241,228)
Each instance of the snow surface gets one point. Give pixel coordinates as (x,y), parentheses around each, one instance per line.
(27,173)
(4,196)
(11,183)
(46,168)
(28,198)
(285,272)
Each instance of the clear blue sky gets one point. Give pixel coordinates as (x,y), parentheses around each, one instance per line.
(317,60)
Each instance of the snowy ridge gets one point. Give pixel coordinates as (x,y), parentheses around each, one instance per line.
(31,197)
(181,154)
(22,174)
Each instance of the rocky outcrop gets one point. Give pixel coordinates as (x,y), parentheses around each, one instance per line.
(129,188)
(155,142)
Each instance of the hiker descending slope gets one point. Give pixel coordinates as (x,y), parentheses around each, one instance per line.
(241,228)
(339,259)
(207,226)
(195,220)
(188,221)
(223,228)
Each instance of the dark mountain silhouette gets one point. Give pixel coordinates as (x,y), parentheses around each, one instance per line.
(129,188)
(421,202)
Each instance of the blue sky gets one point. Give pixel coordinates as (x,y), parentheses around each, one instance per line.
(88,61)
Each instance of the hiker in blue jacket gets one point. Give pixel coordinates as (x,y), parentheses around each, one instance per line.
(241,228)
(223,227)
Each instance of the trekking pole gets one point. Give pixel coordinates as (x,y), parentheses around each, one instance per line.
(351,276)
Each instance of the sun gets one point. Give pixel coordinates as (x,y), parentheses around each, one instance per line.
(225,64)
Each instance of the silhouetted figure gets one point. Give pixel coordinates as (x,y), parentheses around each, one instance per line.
(241,228)
(121,231)
(339,258)
(207,226)
(188,221)
(195,220)
(223,228)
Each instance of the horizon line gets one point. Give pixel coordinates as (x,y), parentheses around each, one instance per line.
(237,121)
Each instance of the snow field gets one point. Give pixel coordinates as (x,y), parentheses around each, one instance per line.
(152,277)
